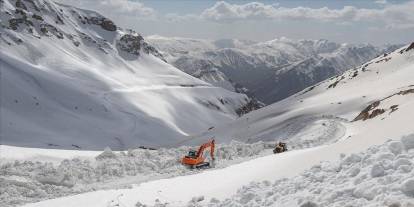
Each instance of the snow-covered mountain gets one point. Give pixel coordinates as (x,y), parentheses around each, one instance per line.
(268,71)
(70,78)
(361,122)
(374,99)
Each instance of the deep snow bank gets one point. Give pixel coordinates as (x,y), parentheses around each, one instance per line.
(380,176)
(27,181)
(286,169)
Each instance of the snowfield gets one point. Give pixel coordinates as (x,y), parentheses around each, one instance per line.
(72,80)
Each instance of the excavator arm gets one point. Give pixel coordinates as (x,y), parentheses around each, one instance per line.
(204,146)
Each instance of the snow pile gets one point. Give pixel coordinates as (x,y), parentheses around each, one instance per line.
(27,181)
(381,176)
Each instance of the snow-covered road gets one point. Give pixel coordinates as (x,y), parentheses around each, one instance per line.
(220,183)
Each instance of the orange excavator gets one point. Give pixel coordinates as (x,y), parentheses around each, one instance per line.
(195,159)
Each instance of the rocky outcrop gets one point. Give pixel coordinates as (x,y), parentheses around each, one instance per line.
(20,4)
(365,114)
(405,92)
(105,23)
(333,85)
(43,19)
(19,19)
(372,110)
(131,43)
(393,108)
(252,105)
(50,29)
(410,47)
(134,44)
(108,25)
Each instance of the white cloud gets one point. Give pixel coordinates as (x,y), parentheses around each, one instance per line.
(223,11)
(124,8)
(392,15)
(128,7)
(174,17)
(381,2)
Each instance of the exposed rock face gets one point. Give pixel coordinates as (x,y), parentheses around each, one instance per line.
(376,112)
(134,43)
(108,25)
(131,43)
(372,110)
(42,20)
(16,22)
(393,108)
(48,28)
(410,47)
(38,17)
(105,23)
(252,105)
(364,115)
(405,92)
(20,4)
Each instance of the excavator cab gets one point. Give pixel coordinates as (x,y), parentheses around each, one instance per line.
(196,159)
(192,154)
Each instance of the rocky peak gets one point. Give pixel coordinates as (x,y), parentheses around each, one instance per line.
(47,19)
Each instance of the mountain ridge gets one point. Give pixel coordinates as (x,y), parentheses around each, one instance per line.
(270,70)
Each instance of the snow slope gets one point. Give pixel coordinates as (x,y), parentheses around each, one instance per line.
(72,79)
(338,101)
(373,103)
(268,71)
(11,153)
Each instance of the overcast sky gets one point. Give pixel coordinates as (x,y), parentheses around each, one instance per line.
(359,21)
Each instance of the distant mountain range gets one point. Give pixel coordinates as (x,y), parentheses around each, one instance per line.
(268,71)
